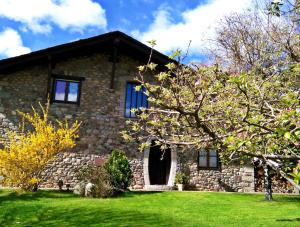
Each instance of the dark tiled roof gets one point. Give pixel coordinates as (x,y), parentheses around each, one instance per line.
(106,42)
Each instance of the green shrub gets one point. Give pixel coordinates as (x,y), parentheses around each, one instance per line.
(119,171)
(181,178)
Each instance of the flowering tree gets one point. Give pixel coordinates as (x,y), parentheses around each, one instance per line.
(242,115)
(246,105)
(260,39)
(26,153)
(265,41)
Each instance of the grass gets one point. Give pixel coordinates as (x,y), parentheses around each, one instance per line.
(48,208)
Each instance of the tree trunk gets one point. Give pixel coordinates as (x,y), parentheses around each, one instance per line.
(267,183)
(34,188)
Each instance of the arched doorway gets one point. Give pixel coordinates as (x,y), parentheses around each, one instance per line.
(159,165)
(159,168)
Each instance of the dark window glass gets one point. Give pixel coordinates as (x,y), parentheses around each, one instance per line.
(208,159)
(203,159)
(66,91)
(134,99)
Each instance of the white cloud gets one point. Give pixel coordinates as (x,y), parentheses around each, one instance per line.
(40,15)
(11,43)
(197,25)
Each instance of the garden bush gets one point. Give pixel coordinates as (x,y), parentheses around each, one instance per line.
(26,152)
(181,178)
(119,171)
(108,180)
(98,176)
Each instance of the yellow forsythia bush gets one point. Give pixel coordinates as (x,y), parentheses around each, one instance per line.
(27,152)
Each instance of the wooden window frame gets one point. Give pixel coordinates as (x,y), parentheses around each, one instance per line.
(208,167)
(130,115)
(67,79)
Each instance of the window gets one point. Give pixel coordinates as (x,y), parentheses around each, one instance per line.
(66,89)
(208,159)
(134,99)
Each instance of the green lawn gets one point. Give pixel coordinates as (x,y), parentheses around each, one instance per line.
(148,209)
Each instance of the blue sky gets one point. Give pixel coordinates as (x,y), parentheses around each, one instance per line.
(29,25)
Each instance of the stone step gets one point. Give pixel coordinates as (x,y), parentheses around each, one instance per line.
(158,188)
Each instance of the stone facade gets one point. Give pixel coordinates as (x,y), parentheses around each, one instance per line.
(229,178)
(66,164)
(101,111)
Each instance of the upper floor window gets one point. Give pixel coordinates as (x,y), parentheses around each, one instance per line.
(66,89)
(134,99)
(208,159)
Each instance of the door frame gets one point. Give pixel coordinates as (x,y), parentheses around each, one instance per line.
(173,167)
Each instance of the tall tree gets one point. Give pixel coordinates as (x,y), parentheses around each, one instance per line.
(246,105)
(261,39)
(264,40)
(242,115)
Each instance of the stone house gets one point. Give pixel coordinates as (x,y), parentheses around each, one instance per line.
(92,80)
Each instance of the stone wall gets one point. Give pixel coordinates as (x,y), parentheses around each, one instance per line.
(232,178)
(228,178)
(66,164)
(101,109)
(18,91)
(138,174)
(5,126)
